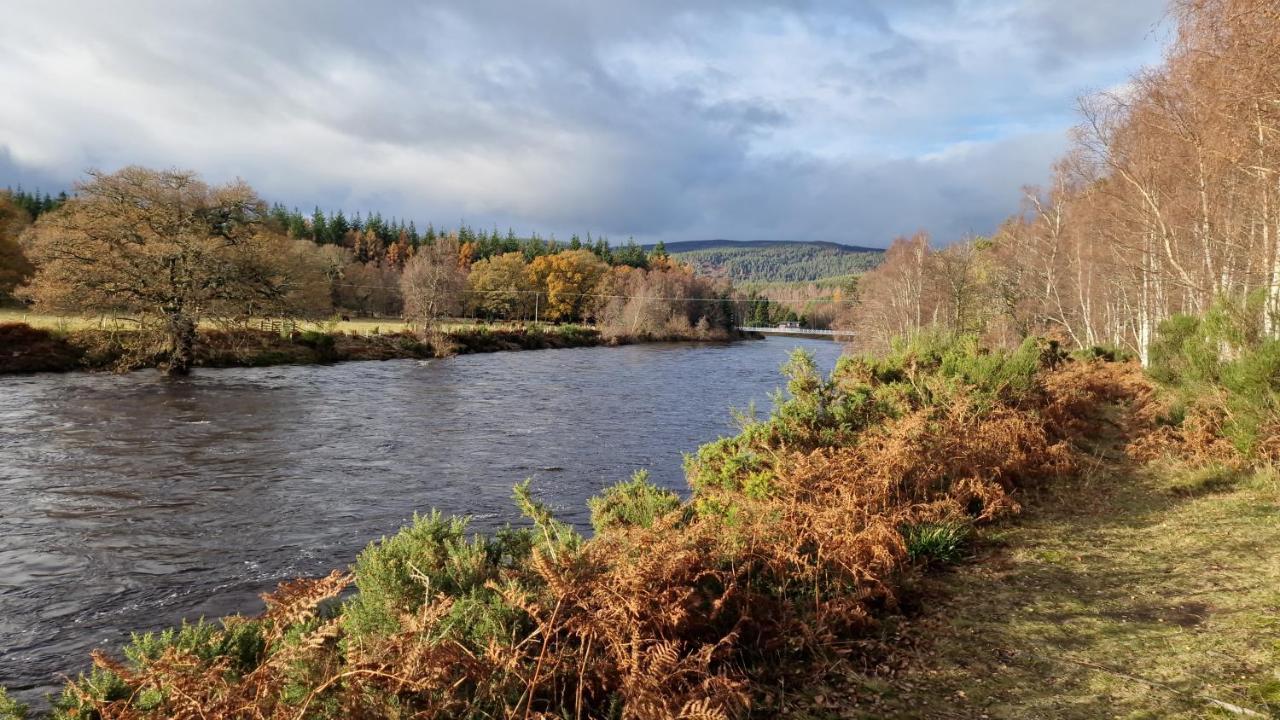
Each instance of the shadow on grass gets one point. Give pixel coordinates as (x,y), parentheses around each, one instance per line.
(1110,596)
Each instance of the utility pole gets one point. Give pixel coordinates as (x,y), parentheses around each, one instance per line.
(535,306)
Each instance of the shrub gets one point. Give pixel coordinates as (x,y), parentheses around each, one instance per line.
(81,698)
(323,343)
(431,557)
(636,503)
(11,709)
(1224,376)
(238,640)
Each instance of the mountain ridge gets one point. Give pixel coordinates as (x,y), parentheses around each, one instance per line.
(774,261)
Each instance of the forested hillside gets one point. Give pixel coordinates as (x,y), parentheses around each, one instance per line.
(767,261)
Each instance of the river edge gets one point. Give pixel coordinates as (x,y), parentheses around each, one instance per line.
(25,349)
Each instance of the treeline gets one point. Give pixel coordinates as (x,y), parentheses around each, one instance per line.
(819,304)
(782,262)
(34,204)
(375,239)
(171,252)
(1166,205)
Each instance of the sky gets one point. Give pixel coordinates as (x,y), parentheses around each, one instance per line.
(849,121)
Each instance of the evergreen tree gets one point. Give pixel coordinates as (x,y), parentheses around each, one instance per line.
(319,227)
(339,226)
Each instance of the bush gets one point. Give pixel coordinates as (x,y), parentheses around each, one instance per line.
(238,640)
(81,698)
(430,557)
(11,709)
(1222,373)
(636,503)
(1183,353)
(323,343)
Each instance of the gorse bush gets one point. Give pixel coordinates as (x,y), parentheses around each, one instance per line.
(794,539)
(636,503)
(431,557)
(11,709)
(238,640)
(1223,380)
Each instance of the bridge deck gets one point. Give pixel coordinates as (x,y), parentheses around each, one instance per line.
(797,331)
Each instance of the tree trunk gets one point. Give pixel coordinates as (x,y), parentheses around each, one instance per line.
(182,341)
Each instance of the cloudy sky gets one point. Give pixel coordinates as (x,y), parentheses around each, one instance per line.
(849,121)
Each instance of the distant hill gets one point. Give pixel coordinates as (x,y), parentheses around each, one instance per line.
(768,261)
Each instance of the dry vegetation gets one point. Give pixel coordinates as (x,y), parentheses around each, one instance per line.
(799,535)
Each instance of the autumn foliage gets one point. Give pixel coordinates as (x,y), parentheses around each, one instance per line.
(1166,204)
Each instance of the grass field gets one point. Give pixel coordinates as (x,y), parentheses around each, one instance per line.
(359,326)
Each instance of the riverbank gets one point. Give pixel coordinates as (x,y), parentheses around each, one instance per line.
(837,533)
(799,537)
(27,349)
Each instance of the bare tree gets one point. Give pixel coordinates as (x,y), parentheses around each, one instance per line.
(434,282)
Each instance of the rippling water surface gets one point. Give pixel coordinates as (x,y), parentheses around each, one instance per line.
(131,502)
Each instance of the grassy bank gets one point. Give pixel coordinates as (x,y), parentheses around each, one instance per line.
(25,349)
(1136,591)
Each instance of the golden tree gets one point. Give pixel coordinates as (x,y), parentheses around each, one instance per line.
(166,247)
(501,285)
(566,281)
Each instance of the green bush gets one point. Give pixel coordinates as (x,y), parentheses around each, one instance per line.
(635,503)
(239,640)
(1105,353)
(432,556)
(1220,362)
(11,709)
(1252,382)
(323,343)
(78,698)
(1183,353)
(936,542)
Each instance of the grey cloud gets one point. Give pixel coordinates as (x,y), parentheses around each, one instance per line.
(664,119)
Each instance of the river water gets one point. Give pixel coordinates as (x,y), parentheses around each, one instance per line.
(131,502)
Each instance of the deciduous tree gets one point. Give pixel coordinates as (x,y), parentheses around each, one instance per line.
(165,246)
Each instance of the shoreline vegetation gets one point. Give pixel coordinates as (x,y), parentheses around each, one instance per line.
(812,569)
(798,535)
(28,349)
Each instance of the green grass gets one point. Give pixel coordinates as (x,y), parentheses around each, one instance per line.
(356,326)
(937,542)
(1111,598)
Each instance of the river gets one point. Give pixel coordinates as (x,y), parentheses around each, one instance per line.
(130,502)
